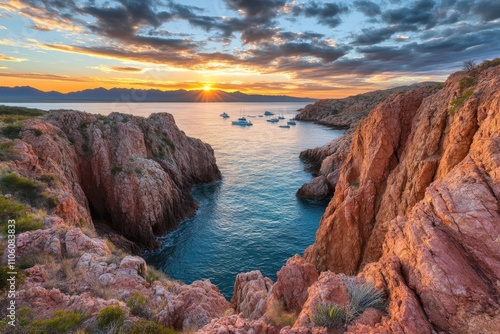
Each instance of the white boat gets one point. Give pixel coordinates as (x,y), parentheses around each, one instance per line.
(285,126)
(291,123)
(273,120)
(242,121)
(224,115)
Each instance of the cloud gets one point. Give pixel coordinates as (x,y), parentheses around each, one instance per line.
(262,10)
(368,8)
(6,58)
(327,13)
(488,10)
(125,69)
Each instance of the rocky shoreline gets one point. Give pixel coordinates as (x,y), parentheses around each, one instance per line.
(413,224)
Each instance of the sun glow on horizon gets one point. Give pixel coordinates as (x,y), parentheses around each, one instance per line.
(207,88)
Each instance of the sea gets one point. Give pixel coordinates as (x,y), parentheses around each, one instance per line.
(251,219)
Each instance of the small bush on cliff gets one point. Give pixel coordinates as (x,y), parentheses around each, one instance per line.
(363,296)
(111,316)
(469,65)
(328,315)
(7,151)
(27,190)
(62,321)
(138,305)
(456,103)
(18,212)
(277,315)
(11,131)
(154,275)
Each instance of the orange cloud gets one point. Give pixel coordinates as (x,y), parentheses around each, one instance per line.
(6,58)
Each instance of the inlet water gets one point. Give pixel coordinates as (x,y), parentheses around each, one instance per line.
(251,219)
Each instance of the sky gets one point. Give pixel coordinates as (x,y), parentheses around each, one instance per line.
(318,49)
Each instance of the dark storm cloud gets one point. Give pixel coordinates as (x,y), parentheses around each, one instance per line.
(269,52)
(420,13)
(326,13)
(368,8)
(260,9)
(370,36)
(488,10)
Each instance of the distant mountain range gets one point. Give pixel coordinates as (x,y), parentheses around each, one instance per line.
(30,94)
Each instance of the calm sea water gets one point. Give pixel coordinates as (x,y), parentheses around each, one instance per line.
(252,218)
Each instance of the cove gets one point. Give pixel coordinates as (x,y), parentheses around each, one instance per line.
(251,219)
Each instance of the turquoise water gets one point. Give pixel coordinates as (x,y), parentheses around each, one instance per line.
(252,218)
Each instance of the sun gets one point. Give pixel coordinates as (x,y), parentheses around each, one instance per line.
(207,88)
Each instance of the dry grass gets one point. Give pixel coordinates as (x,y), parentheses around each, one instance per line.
(277,315)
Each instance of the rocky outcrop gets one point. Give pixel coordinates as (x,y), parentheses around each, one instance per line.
(372,156)
(340,114)
(134,173)
(347,112)
(416,213)
(250,294)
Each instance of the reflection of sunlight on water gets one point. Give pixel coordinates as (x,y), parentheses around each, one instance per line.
(251,219)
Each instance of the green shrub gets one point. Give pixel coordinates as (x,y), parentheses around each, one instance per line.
(116,170)
(466,82)
(19,212)
(110,316)
(154,275)
(27,223)
(326,315)
(363,296)
(138,305)
(20,111)
(143,326)
(4,274)
(62,321)
(7,151)
(10,210)
(24,315)
(15,183)
(11,131)
(26,189)
(86,148)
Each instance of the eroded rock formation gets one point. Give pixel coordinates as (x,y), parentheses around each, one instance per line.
(134,173)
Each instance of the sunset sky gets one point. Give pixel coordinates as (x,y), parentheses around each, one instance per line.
(301,48)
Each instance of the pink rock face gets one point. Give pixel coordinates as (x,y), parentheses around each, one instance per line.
(235,324)
(76,243)
(347,223)
(135,173)
(292,284)
(318,189)
(430,188)
(250,294)
(193,306)
(328,289)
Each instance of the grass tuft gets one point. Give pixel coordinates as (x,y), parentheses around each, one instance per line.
(363,296)
(328,315)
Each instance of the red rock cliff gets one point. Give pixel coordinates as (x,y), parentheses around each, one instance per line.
(406,144)
(135,173)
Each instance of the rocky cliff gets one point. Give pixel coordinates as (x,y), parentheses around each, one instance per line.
(133,173)
(410,243)
(416,214)
(346,114)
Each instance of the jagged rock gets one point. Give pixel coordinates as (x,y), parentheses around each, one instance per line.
(77,242)
(236,324)
(133,172)
(328,289)
(250,294)
(193,306)
(291,287)
(318,189)
(39,242)
(347,224)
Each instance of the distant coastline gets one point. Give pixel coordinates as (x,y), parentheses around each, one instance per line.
(117,95)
